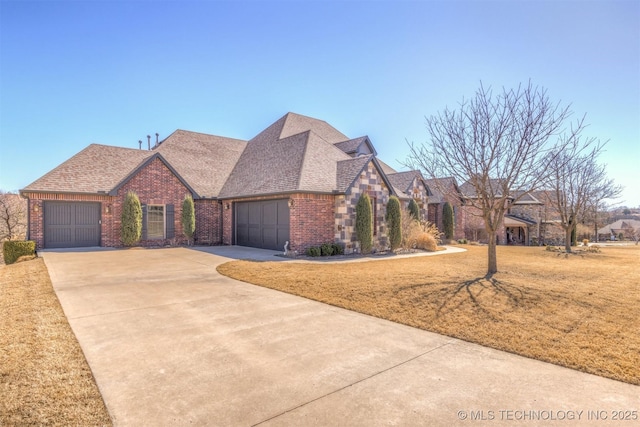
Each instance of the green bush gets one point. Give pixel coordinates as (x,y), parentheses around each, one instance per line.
(447,220)
(188,218)
(12,250)
(414,210)
(131,220)
(364,224)
(394,222)
(338,249)
(463,241)
(313,251)
(326,249)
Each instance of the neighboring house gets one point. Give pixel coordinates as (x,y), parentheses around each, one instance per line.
(626,227)
(298,181)
(442,190)
(529,220)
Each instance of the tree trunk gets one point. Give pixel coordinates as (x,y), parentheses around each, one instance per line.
(492,264)
(567,239)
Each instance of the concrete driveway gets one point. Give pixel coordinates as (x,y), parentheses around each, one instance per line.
(171,342)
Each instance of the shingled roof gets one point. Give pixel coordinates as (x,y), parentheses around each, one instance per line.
(205,161)
(278,161)
(96,169)
(404,180)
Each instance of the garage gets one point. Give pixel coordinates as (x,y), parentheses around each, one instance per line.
(262,224)
(71,224)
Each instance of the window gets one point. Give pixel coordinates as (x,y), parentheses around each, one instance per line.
(155,222)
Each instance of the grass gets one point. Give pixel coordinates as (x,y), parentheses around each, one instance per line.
(44,377)
(581,312)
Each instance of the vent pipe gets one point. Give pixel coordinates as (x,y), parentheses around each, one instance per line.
(149,141)
(157,135)
(140,143)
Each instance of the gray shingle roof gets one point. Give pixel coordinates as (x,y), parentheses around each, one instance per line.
(436,187)
(351,146)
(386,168)
(204,161)
(404,180)
(97,168)
(348,171)
(279,161)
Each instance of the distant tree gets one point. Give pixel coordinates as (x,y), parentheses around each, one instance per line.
(576,178)
(188,218)
(626,211)
(447,221)
(414,210)
(13,216)
(364,224)
(394,222)
(499,144)
(131,220)
(632,232)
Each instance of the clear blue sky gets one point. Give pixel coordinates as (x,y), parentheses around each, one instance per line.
(79,72)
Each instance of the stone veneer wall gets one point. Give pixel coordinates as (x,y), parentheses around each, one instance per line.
(371,183)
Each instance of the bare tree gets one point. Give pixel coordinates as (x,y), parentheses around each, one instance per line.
(499,145)
(576,179)
(13,216)
(596,209)
(632,232)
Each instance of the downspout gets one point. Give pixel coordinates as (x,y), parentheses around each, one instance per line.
(221,226)
(28,218)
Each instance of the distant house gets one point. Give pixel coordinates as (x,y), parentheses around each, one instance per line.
(622,226)
(297,181)
(441,191)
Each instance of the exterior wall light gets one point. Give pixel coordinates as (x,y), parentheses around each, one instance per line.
(290,203)
(36,208)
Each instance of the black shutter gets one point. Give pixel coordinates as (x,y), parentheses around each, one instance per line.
(171,222)
(144,222)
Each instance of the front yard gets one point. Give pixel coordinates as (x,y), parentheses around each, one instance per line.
(44,377)
(578,312)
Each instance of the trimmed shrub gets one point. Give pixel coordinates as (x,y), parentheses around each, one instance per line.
(12,250)
(313,251)
(426,242)
(414,210)
(463,241)
(338,249)
(131,220)
(394,222)
(188,217)
(585,242)
(364,224)
(326,249)
(447,220)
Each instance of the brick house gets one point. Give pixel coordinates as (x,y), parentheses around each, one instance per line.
(441,191)
(297,181)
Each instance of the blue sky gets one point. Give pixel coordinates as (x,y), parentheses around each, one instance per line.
(79,72)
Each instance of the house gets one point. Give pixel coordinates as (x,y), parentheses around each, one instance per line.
(529,220)
(297,181)
(626,227)
(441,191)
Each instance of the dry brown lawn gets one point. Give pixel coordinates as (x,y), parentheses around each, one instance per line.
(44,377)
(582,312)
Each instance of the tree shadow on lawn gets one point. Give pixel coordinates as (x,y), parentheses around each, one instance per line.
(486,295)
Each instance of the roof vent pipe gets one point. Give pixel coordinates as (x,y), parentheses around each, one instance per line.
(157,135)
(140,143)
(149,141)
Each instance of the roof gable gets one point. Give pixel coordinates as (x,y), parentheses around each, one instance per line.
(295,123)
(357,146)
(204,161)
(96,169)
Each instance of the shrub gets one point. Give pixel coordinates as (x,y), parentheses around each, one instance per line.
(326,249)
(426,242)
(364,224)
(414,210)
(463,241)
(12,250)
(313,251)
(447,220)
(131,220)
(188,217)
(338,249)
(585,242)
(394,222)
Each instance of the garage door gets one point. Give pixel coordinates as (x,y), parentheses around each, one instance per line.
(71,225)
(263,224)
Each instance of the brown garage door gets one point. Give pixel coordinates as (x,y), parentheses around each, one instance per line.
(263,224)
(71,224)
